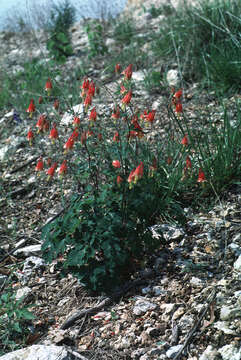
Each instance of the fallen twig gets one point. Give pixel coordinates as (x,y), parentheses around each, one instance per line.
(195,327)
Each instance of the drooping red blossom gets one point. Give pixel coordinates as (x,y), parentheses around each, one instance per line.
(63,168)
(91,90)
(31,108)
(178,94)
(132,134)
(123,90)
(69,144)
(116,163)
(56,104)
(151,116)
(116,137)
(48,86)
(131,177)
(76,121)
(178,108)
(30,136)
(117,68)
(50,172)
(116,113)
(85,87)
(127,98)
(185,140)
(40,123)
(201,176)
(128,72)
(188,163)
(87,101)
(136,174)
(53,133)
(119,180)
(40,164)
(93,115)
(40,100)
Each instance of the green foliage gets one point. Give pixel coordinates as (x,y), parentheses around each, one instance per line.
(124,31)
(164,9)
(59,43)
(152,81)
(95,35)
(13,318)
(205,40)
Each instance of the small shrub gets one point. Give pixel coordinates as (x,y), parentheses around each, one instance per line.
(59,43)
(124,31)
(95,34)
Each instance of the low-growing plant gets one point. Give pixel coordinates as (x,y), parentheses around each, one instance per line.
(126,177)
(97,46)
(124,31)
(13,318)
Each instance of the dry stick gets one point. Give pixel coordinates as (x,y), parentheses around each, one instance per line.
(195,327)
(107,301)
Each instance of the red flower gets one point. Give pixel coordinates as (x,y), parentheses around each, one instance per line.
(50,172)
(85,87)
(40,164)
(119,180)
(91,90)
(93,115)
(178,94)
(76,120)
(127,98)
(123,90)
(131,177)
(48,86)
(188,163)
(178,108)
(132,134)
(117,68)
(201,176)
(116,163)
(69,144)
(53,133)
(185,140)
(40,123)
(150,117)
(56,104)
(30,136)
(116,137)
(40,100)
(116,113)
(128,72)
(63,168)
(31,108)
(136,174)
(88,101)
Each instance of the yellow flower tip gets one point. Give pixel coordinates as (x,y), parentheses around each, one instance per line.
(30,114)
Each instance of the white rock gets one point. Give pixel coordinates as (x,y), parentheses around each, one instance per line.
(23,292)
(209,354)
(224,327)
(171,353)
(237,264)
(69,117)
(196,281)
(173,77)
(230,352)
(29,250)
(146,290)
(138,75)
(42,352)
(142,306)
(158,290)
(228,313)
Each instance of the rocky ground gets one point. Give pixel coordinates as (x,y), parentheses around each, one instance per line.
(186,301)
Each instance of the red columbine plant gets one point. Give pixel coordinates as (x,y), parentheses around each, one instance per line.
(93,115)
(87,101)
(31,108)
(185,140)
(40,165)
(116,163)
(116,137)
(85,87)
(201,176)
(69,144)
(53,133)
(178,108)
(30,136)
(116,113)
(76,121)
(50,172)
(117,68)
(188,163)
(119,180)
(40,123)
(136,174)
(63,168)
(48,86)
(128,72)
(127,98)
